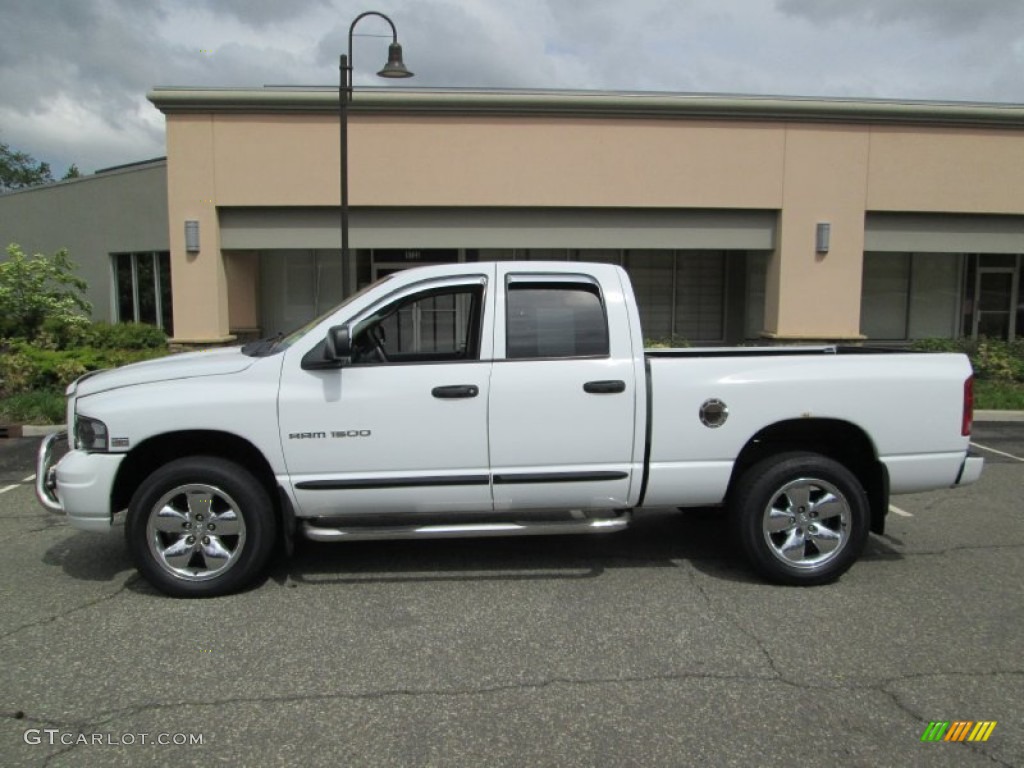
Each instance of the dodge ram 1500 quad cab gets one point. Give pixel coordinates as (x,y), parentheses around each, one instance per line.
(497,399)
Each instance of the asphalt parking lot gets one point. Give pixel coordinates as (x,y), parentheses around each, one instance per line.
(650,647)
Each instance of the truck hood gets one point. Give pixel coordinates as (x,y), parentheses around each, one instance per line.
(184,366)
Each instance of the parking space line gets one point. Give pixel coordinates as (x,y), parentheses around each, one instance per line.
(8,488)
(995,451)
(900,512)
(29,479)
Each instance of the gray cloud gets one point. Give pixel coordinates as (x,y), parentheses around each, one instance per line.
(258,13)
(951,17)
(73,78)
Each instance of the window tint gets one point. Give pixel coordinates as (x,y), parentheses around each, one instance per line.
(434,326)
(555,320)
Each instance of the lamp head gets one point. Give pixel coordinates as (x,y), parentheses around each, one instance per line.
(395,67)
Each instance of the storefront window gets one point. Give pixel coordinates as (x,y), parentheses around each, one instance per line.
(910,296)
(142,287)
(681,294)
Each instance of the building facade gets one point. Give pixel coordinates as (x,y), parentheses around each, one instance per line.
(738,218)
(114,225)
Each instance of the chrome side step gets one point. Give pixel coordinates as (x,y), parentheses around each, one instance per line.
(464,530)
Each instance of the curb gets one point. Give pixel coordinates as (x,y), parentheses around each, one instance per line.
(999,415)
(41,431)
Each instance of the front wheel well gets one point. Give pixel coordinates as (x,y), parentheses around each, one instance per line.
(157,451)
(839,440)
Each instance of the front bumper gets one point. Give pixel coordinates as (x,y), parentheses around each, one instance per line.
(46,472)
(79,485)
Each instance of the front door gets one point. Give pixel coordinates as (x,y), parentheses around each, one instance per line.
(404,426)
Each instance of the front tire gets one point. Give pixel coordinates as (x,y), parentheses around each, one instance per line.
(200,527)
(801,518)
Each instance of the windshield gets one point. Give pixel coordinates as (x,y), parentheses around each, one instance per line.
(273,344)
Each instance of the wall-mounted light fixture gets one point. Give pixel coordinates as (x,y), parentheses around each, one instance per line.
(192,236)
(822,237)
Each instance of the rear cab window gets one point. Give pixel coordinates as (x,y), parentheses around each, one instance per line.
(562,318)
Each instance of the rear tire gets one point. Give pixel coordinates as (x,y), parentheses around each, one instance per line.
(200,527)
(800,518)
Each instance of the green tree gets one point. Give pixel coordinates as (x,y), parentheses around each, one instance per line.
(19,170)
(32,290)
(73,173)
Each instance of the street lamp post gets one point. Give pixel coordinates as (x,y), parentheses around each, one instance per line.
(394,68)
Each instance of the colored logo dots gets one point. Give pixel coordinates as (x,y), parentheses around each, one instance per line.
(958,730)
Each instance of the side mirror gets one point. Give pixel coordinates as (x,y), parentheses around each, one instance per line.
(339,345)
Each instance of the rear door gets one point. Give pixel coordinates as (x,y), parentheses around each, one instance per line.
(563,396)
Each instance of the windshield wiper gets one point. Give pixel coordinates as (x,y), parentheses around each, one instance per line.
(262,347)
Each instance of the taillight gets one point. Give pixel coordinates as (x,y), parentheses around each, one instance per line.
(965,428)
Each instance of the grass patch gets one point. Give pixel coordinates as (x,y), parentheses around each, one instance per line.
(998,395)
(45,406)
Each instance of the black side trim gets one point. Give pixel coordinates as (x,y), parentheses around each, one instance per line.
(558,477)
(647,434)
(396,482)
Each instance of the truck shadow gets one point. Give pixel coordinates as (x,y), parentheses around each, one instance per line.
(657,539)
(87,556)
(700,538)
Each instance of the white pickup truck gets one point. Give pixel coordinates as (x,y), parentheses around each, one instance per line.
(496,399)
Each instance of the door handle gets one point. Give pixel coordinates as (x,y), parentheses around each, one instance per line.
(455,391)
(609,387)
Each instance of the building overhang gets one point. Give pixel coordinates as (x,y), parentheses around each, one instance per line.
(591,104)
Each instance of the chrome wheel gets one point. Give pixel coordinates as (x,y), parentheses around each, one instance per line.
(801,518)
(807,523)
(195,532)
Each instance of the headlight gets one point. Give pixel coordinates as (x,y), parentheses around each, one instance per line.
(90,434)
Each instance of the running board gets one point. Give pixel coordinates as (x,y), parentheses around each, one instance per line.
(464,530)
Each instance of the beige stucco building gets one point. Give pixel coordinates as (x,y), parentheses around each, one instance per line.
(713,204)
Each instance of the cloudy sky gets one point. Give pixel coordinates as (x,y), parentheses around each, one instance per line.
(74,73)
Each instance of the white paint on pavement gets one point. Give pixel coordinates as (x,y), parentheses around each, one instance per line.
(997,452)
(900,512)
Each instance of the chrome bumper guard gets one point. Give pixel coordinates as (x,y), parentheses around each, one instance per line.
(46,473)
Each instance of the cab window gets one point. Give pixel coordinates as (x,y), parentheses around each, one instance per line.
(555,319)
(438,325)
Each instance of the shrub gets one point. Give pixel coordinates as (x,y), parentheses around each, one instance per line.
(25,367)
(41,407)
(37,288)
(127,336)
(666,342)
(993,360)
(16,372)
(58,333)
(942,345)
